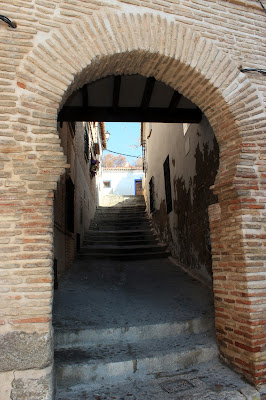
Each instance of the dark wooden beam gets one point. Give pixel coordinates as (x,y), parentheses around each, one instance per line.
(85,97)
(146,98)
(175,100)
(116,92)
(129,114)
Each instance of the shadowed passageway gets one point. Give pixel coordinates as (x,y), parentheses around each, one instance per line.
(135,328)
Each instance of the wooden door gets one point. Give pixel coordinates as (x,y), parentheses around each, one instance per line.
(138,187)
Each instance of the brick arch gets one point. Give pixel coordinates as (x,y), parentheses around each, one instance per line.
(149,45)
(86,51)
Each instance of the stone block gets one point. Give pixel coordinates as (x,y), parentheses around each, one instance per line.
(33,385)
(250,394)
(20,350)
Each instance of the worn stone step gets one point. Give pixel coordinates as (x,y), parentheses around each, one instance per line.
(121,233)
(121,221)
(65,338)
(210,380)
(114,249)
(114,363)
(121,210)
(120,239)
(133,208)
(128,241)
(119,217)
(122,257)
(118,227)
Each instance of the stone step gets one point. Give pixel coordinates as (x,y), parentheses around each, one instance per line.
(120,222)
(73,337)
(119,233)
(114,249)
(121,217)
(128,241)
(122,257)
(121,210)
(118,227)
(120,239)
(141,214)
(210,380)
(133,208)
(113,363)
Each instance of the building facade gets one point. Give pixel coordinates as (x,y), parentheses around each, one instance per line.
(122,181)
(181,163)
(212,52)
(77,194)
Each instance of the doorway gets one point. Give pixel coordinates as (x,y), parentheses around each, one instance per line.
(138,187)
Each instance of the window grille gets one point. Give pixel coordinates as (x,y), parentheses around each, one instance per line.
(167,183)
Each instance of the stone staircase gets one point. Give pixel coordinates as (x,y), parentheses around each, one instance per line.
(137,328)
(122,232)
(91,360)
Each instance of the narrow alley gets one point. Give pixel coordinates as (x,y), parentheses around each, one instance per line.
(130,325)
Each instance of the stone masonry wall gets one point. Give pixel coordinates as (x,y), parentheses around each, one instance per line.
(196,47)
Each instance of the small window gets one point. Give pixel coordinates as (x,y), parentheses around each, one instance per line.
(152,197)
(106,184)
(86,144)
(167,183)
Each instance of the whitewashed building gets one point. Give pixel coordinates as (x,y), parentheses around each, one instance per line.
(122,181)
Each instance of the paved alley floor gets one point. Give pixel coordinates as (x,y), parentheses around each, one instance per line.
(106,293)
(151,297)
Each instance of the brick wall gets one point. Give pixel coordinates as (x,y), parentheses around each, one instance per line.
(195,47)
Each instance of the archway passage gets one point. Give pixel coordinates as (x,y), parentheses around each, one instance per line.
(72,57)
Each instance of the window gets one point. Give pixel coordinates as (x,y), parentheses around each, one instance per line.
(106,184)
(86,144)
(167,183)
(151,190)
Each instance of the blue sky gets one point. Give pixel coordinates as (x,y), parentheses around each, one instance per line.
(124,138)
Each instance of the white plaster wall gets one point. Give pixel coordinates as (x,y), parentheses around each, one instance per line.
(122,181)
(86,197)
(169,139)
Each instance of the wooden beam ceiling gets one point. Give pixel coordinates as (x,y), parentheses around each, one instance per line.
(116,92)
(146,98)
(85,96)
(143,113)
(129,114)
(175,100)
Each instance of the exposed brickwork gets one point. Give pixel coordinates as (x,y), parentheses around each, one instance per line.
(196,47)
